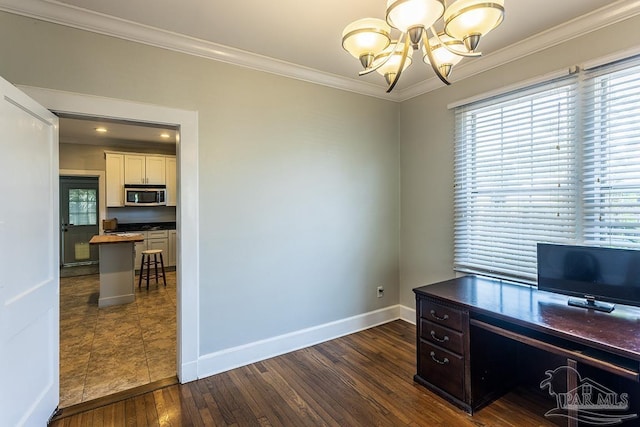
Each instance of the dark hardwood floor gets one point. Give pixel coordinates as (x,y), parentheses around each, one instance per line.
(363,379)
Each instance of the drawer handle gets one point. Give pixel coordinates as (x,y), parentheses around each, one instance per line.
(433,314)
(433,335)
(441,362)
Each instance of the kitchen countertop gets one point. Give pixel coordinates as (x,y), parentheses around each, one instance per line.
(116,238)
(143,226)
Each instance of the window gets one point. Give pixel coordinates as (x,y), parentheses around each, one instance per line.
(538,165)
(82,206)
(612,156)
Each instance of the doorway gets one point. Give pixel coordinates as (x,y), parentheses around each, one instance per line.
(78,220)
(112,350)
(188,224)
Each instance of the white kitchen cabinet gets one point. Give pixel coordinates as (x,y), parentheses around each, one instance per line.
(115,179)
(156,169)
(171,182)
(141,169)
(160,244)
(153,239)
(139,247)
(172,255)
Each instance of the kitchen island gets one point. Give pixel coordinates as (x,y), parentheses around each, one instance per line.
(116,267)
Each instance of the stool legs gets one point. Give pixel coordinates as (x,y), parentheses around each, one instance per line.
(164,279)
(141,272)
(146,261)
(148,269)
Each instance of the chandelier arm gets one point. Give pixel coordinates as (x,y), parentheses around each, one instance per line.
(432,61)
(372,69)
(401,66)
(455,52)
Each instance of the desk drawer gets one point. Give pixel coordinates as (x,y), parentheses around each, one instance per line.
(441,314)
(442,368)
(441,336)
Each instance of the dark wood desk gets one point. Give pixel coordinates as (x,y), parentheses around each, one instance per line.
(477,338)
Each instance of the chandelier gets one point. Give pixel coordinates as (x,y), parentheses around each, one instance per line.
(464,23)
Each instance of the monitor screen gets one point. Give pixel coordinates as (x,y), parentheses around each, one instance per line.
(607,274)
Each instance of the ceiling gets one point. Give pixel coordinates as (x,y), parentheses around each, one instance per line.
(82,130)
(307,35)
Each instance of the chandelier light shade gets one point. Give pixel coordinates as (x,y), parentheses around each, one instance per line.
(463,23)
(444,58)
(390,60)
(468,20)
(405,14)
(365,38)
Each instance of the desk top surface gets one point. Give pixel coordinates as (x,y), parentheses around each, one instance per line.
(618,331)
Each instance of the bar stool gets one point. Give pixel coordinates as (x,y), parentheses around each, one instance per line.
(146,258)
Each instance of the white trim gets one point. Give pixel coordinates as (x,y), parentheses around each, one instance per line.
(188,202)
(603,60)
(408,314)
(242,355)
(75,17)
(102,197)
(616,56)
(510,88)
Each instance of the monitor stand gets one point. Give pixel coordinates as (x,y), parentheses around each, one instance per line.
(591,303)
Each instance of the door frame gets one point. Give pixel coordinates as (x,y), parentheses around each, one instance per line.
(187,213)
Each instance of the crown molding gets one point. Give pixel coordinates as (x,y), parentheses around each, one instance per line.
(616,12)
(75,17)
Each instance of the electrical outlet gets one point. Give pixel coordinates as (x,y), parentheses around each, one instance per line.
(380,291)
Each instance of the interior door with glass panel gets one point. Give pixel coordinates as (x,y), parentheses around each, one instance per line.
(78,220)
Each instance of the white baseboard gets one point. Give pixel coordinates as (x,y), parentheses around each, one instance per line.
(408,314)
(224,360)
(188,372)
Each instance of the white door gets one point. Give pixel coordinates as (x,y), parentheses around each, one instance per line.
(29,259)
(78,219)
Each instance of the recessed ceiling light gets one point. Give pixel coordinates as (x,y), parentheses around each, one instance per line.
(165,135)
(101,130)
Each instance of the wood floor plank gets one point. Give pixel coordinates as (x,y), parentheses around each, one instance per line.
(164,410)
(257,399)
(321,402)
(210,414)
(189,402)
(305,415)
(309,381)
(363,379)
(151,413)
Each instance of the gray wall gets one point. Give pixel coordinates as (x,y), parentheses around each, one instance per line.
(427,128)
(299,183)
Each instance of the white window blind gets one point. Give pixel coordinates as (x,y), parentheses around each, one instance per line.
(611,105)
(515,178)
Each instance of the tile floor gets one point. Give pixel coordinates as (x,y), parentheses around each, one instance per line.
(107,350)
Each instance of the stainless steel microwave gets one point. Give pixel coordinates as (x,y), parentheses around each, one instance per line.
(145,195)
